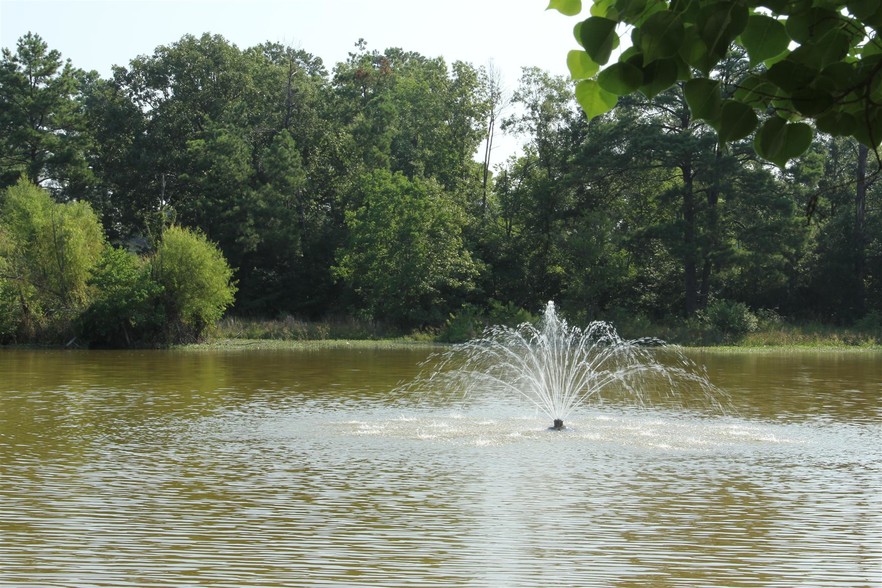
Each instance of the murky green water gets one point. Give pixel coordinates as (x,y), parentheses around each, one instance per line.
(296,468)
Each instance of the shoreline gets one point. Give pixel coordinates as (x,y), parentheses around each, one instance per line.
(245,344)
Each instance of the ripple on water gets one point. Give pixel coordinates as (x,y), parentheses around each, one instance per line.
(480,496)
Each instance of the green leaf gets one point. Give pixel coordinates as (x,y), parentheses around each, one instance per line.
(632,55)
(764,38)
(704,99)
(620,78)
(694,52)
(593,99)
(790,75)
(602,8)
(737,121)
(875,84)
(630,10)
(688,9)
(836,123)
(776,6)
(811,101)
(829,49)
(869,127)
(580,65)
(874,47)
(598,36)
(806,26)
(719,23)
(868,12)
(684,72)
(779,141)
(838,75)
(658,76)
(755,91)
(863,9)
(661,36)
(566,7)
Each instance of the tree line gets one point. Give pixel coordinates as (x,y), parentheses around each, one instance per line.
(357,192)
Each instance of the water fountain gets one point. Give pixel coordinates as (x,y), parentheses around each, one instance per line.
(558,367)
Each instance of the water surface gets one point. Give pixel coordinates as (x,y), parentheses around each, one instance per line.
(286,468)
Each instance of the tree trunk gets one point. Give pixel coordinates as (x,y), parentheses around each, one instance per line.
(690,263)
(491,129)
(713,232)
(495,97)
(860,236)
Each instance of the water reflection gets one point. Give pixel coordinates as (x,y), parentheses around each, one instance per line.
(842,386)
(290,468)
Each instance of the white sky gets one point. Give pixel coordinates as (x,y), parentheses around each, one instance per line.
(97,34)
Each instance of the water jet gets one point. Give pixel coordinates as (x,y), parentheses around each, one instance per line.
(557,367)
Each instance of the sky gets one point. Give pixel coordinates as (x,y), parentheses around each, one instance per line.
(98,34)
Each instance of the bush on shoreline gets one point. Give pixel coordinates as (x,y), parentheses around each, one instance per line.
(62,282)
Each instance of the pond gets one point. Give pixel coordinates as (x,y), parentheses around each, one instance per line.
(310,467)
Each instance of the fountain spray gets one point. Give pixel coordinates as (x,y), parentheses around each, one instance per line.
(557,367)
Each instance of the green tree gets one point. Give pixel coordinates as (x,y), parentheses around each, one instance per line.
(236,143)
(413,114)
(48,252)
(121,191)
(197,283)
(405,260)
(534,208)
(306,166)
(639,211)
(125,310)
(194,95)
(810,61)
(283,212)
(840,264)
(42,128)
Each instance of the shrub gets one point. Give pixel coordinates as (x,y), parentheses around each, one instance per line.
(10,312)
(509,314)
(871,324)
(730,319)
(462,325)
(768,318)
(47,251)
(126,309)
(196,280)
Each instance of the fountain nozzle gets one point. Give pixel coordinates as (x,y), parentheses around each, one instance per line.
(558,425)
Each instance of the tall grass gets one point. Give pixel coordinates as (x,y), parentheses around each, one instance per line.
(696,333)
(289,328)
(770,331)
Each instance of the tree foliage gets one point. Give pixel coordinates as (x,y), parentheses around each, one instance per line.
(42,131)
(811,62)
(356,190)
(47,251)
(405,257)
(197,283)
(125,310)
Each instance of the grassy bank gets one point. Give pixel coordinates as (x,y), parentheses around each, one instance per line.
(806,335)
(293,329)
(314,345)
(241,333)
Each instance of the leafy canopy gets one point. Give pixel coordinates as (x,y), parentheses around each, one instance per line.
(196,282)
(47,252)
(42,134)
(406,256)
(125,308)
(50,247)
(817,61)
